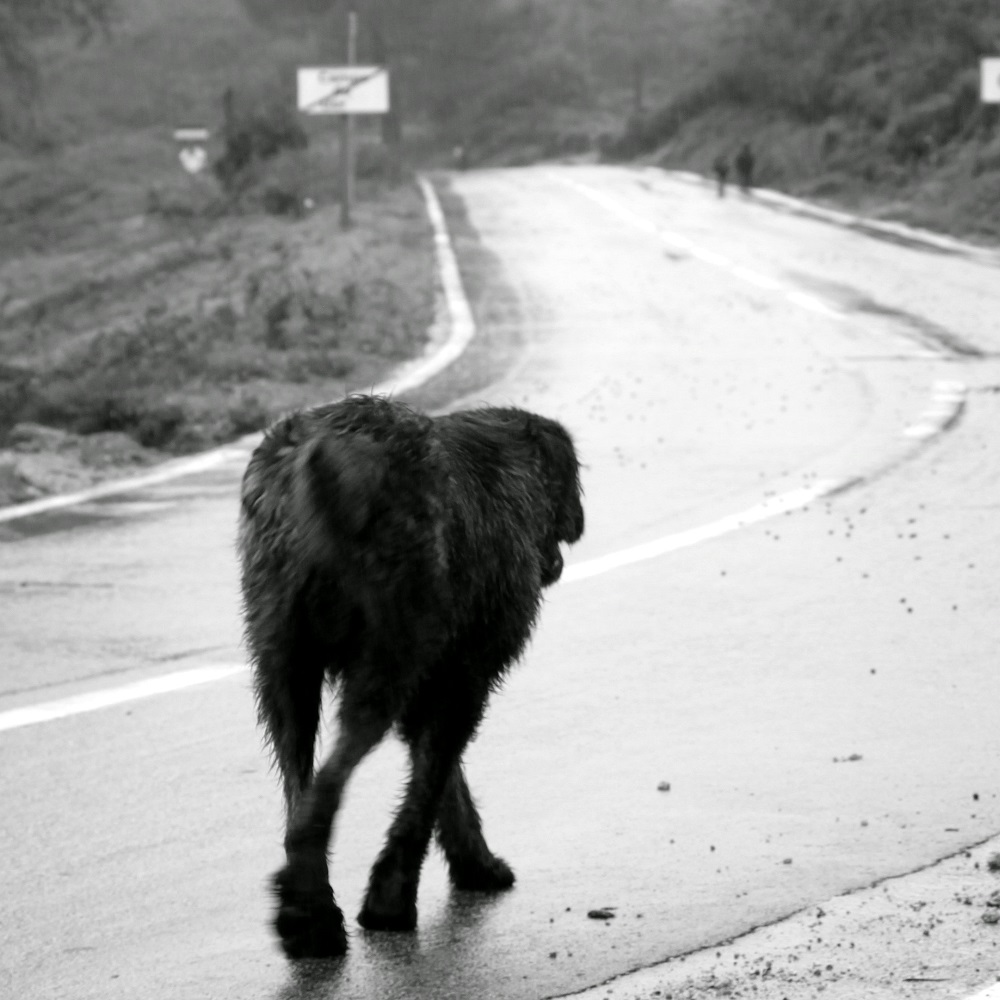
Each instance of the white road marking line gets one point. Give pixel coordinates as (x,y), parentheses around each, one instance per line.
(675,240)
(91,701)
(172,470)
(921,430)
(706,255)
(612,206)
(804,300)
(711,257)
(950,390)
(990,993)
(461,329)
(947,401)
(772,507)
(461,323)
(814,304)
(764,281)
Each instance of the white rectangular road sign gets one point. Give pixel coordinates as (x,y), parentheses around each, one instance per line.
(990,81)
(343,90)
(192,136)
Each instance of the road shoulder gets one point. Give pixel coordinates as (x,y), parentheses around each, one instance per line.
(932,933)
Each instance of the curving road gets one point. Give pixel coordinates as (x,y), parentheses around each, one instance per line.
(783,608)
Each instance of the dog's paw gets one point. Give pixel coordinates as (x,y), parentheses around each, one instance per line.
(374,919)
(308,920)
(390,905)
(492,875)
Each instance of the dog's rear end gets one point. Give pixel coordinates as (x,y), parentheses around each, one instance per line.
(319,530)
(403,557)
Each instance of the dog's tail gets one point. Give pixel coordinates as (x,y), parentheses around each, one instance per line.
(337,488)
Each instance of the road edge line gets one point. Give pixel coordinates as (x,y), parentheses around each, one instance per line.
(783,503)
(91,701)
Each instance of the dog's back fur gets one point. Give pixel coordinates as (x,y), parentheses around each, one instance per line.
(403,556)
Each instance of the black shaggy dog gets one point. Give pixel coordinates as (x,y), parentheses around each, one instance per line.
(402,557)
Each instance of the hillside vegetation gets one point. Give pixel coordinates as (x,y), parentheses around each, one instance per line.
(871,102)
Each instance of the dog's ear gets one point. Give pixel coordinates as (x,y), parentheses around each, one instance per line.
(561,470)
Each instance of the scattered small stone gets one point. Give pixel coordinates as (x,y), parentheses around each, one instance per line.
(604,913)
(787,861)
(851,758)
(991,917)
(993,865)
(663,786)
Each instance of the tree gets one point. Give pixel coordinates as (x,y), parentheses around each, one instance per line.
(624,42)
(24,21)
(641,20)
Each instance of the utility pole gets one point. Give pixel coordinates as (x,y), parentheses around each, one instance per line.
(346,134)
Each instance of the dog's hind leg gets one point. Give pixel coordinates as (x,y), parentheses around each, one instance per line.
(459,831)
(288,679)
(309,921)
(437,725)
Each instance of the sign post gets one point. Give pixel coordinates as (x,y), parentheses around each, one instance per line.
(989,82)
(347,91)
(347,134)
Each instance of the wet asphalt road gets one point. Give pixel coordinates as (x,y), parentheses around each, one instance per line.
(818,689)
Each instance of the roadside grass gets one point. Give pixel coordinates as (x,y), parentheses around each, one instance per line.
(213,334)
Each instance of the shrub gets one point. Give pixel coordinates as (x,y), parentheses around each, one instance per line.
(247,415)
(253,135)
(158,426)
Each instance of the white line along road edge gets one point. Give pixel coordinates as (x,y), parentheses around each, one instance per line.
(990,993)
(772,507)
(92,700)
(453,317)
(706,255)
(461,325)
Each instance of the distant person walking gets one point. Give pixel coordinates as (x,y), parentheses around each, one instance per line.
(721,170)
(744,167)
